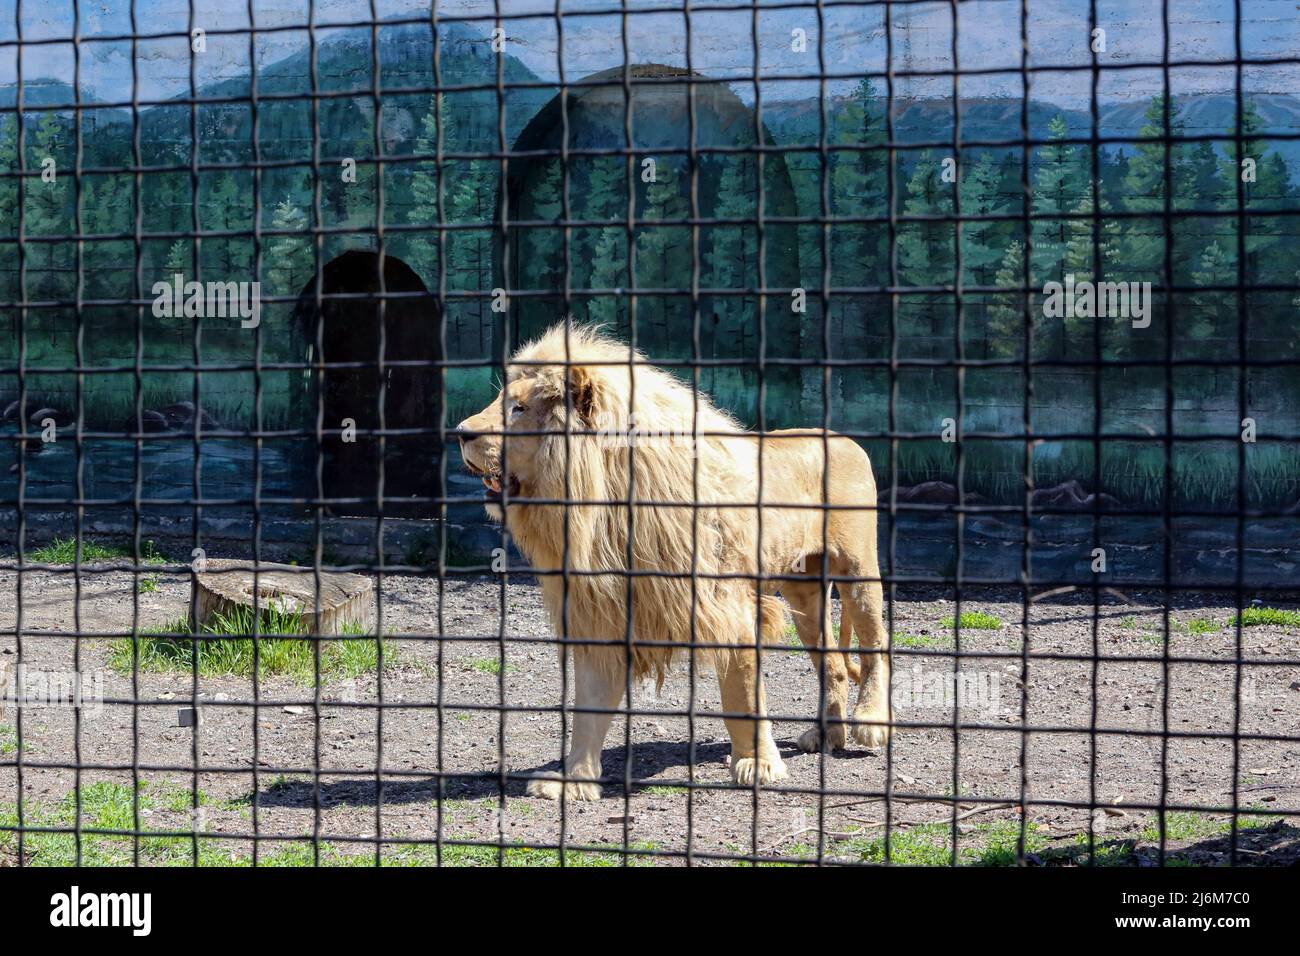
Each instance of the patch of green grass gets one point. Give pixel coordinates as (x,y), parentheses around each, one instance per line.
(64,551)
(224,649)
(1129,623)
(1157,639)
(299,854)
(974,621)
(180,799)
(1002,843)
(920,640)
(661,791)
(1104,852)
(279,784)
(1269,616)
(1187,825)
(8,741)
(490,665)
(924,845)
(1200,625)
(930,844)
(105,805)
(490,856)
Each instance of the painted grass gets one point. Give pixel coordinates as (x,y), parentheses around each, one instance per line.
(226,648)
(1134,472)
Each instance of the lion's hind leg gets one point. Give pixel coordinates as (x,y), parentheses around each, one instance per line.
(862,603)
(812,618)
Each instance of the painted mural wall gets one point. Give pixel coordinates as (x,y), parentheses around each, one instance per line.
(305,148)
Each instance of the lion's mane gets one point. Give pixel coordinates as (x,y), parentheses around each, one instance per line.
(642,433)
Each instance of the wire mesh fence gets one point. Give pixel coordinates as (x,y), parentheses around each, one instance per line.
(945,351)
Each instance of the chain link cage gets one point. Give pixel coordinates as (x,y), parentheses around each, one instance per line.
(264,263)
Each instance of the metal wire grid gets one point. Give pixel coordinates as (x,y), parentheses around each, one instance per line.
(826,364)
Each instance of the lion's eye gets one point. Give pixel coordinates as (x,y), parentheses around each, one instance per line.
(517,409)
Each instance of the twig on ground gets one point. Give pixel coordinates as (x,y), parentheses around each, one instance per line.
(961,816)
(834,834)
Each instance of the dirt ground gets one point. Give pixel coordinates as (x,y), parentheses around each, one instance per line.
(831,804)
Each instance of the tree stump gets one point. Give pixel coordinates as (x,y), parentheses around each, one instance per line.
(344,598)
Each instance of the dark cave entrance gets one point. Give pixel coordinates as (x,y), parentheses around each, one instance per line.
(350,337)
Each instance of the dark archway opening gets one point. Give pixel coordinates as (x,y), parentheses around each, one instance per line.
(351,386)
(598,262)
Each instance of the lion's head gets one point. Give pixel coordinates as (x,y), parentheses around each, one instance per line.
(517,443)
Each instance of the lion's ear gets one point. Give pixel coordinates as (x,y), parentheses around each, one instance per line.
(583,387)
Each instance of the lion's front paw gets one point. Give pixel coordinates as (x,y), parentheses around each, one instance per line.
(551,786)
(763,769)
(812,741)
(871,736)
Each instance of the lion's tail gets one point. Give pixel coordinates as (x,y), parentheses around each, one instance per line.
(776,618)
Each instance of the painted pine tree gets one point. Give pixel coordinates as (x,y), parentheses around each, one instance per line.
(288,260)
(926,257)
(731,260)
(48,210)
(1058,189)
(663,259)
